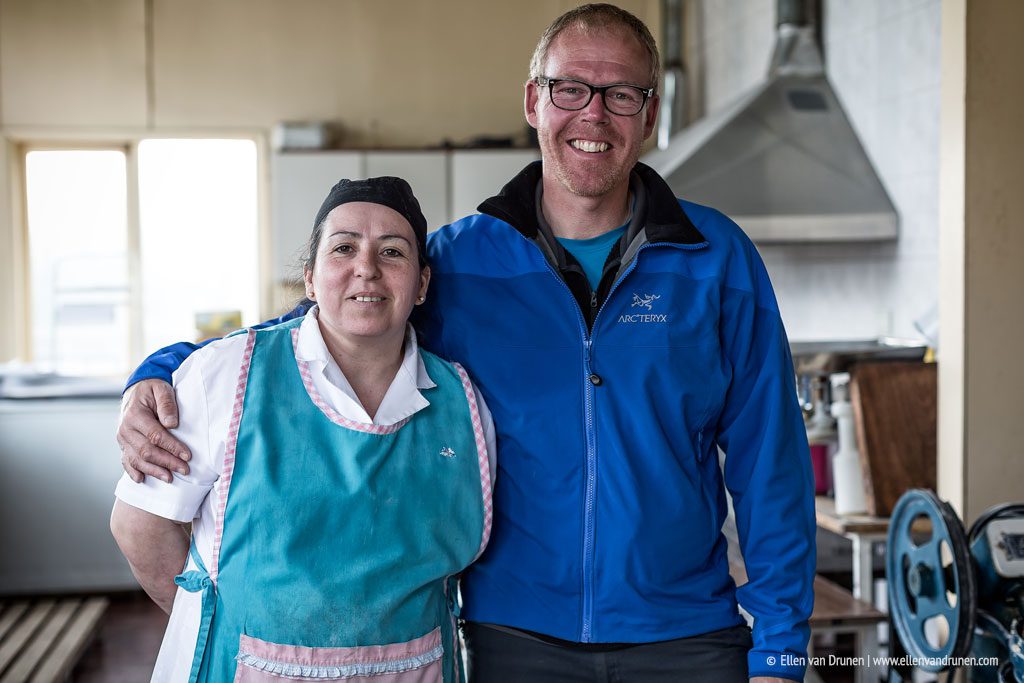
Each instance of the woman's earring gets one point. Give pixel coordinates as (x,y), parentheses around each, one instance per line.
(421,299)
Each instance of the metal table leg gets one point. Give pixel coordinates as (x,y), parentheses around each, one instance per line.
(864,589)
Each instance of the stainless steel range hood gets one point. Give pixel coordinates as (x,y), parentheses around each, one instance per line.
(783,160)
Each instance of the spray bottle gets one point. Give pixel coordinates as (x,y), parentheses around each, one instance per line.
(847,478)
(821,437)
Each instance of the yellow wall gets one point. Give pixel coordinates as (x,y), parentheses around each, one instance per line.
(994,254)
(392,72)
(10,273)
(66,63)
(982,245)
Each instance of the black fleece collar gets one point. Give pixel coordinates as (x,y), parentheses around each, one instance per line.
(665,221)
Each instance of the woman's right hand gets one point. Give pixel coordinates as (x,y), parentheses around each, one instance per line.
(148,410)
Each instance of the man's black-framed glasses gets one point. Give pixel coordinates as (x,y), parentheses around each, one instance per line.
(622,99)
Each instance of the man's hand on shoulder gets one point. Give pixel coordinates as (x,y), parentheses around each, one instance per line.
(148,410)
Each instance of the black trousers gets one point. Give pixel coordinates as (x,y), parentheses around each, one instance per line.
(497,656)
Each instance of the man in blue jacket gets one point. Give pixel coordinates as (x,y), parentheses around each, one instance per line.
(620,337)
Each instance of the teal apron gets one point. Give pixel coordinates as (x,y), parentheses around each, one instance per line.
(338,545)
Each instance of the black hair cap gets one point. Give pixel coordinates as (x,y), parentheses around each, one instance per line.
(388,191)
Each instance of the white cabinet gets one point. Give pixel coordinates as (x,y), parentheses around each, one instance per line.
(299,183)
(427,172)
(479,174)
(449,185)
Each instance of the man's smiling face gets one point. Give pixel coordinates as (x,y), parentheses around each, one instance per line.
(590,152)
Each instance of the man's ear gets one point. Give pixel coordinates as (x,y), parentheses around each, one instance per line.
(531,97)
(651,115)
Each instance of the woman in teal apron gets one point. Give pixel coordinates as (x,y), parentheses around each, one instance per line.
(340,479)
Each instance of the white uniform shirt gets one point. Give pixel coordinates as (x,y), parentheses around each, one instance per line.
(205,389)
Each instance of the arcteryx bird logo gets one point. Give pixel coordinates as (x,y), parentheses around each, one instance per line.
(646,300)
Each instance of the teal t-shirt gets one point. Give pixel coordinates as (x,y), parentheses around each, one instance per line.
(593,252)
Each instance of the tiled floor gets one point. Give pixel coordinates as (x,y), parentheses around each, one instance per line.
(128,641)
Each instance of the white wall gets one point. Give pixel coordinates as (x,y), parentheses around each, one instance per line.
(882,57)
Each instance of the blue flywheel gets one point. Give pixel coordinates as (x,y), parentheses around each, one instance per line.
(927,584)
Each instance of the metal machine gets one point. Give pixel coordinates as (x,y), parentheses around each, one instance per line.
(956,598)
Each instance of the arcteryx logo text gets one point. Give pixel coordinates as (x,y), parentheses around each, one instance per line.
(645,301)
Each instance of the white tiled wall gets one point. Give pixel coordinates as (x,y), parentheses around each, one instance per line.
(882,57)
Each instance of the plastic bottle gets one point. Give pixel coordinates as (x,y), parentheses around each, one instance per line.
(821,437)
(847,478)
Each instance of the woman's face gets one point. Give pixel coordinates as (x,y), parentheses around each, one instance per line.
(366,278)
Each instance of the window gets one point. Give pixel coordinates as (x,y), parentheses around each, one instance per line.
(194,239)
(78,260)
(198,239)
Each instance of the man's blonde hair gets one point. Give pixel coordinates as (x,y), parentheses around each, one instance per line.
(597,17)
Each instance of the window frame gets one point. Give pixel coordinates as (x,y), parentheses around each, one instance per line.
(19,147)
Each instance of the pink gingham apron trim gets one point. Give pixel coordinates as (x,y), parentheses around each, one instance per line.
(329,412)
(339,656)
(224,483)
(481,451)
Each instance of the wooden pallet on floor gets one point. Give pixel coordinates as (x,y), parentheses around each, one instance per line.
(42,640)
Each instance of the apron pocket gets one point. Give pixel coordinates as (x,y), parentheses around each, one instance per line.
(418,661)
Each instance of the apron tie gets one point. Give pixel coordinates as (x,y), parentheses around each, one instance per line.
(199,581)
(451,592)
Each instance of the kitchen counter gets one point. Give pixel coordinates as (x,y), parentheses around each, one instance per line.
(59,464)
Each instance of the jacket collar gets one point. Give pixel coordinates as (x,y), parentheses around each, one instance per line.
(665,220)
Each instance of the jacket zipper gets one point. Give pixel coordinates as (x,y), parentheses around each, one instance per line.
(589,521)
(587,589)
(709,500)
